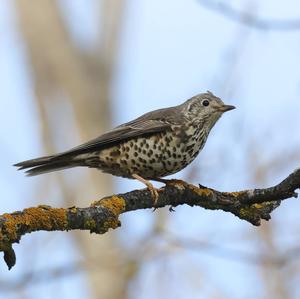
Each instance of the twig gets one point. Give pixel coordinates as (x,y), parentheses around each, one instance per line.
(250,19)
(250,205)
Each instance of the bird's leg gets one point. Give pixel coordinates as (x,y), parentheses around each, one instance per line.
(151,188)
(168,182)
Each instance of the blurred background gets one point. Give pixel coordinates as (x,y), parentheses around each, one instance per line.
(72,69)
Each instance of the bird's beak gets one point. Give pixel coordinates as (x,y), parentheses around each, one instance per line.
(225,108)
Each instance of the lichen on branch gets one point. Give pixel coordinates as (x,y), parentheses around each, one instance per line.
(250,205)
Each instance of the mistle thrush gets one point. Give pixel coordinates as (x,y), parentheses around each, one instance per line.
(157,144)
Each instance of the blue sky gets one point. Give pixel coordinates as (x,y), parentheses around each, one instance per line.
(170,51)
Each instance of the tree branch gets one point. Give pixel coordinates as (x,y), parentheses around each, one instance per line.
(250,205)
(249,19)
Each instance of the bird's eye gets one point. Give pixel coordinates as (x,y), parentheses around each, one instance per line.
(205,103)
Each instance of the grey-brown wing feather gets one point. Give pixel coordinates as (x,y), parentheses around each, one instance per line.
(153,122)
(149,123)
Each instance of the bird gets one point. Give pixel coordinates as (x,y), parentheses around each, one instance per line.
(148,148)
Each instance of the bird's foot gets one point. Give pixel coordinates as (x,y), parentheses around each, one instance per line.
(154,191)
(202,187)
(171,209)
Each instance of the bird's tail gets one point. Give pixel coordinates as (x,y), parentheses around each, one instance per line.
(45,164)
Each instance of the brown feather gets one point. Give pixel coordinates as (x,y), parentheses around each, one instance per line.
(145,125)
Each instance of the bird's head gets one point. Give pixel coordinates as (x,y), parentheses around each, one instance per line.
(205,108)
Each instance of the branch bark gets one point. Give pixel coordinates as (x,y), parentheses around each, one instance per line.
(250,205)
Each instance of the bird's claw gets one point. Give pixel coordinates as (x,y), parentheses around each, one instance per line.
(201,186)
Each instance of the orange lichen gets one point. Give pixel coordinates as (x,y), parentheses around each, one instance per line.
(39,218)
(115,204)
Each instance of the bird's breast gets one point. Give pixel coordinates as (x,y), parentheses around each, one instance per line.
(153,156)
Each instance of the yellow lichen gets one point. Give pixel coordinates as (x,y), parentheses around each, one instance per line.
(73,210)
(90,224)
(251,211)
(245,212)
(235,194)
(116,204)
(259,206)
(111,223)
(39,218)
(201,191)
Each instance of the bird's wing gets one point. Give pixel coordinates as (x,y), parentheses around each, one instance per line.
(147,124)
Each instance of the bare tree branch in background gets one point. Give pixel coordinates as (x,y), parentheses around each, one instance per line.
(249,19)
(65,75)
(151,252)
(276,281)
(93,65)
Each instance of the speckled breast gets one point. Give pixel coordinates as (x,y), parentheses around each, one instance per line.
(153,156)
